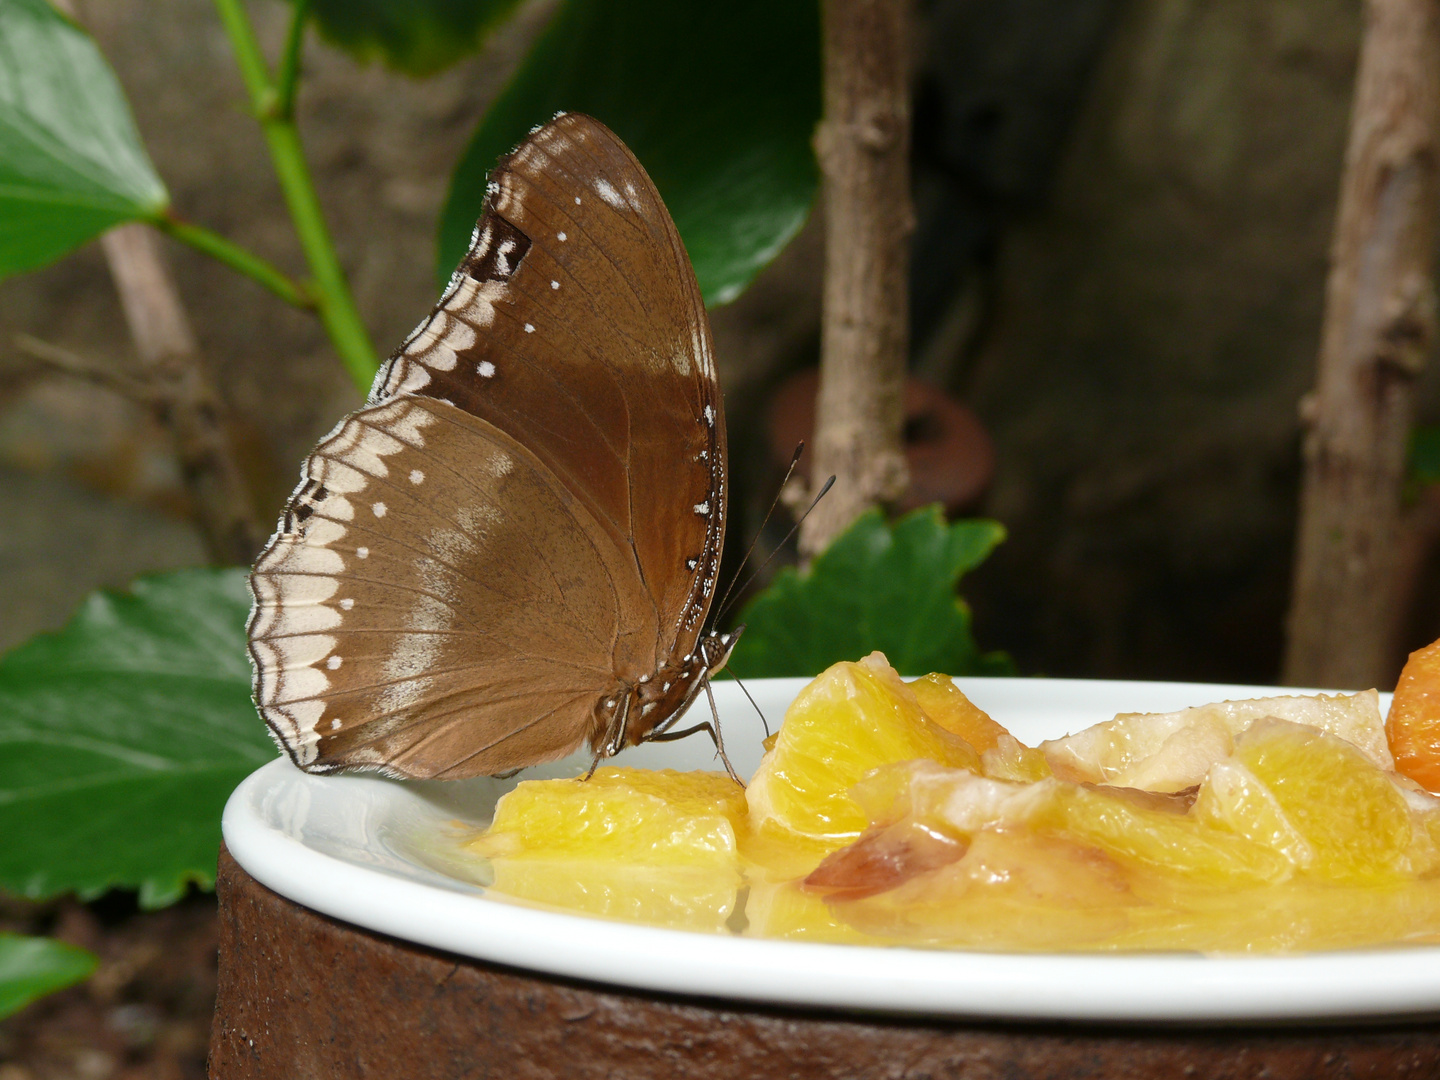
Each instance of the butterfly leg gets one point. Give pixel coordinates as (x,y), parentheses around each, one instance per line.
(616,740)
(713,730)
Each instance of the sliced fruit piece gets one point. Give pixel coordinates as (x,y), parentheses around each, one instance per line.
(1351,814)
(1172,751)
(631,844)
(1162,841)
(635,816)
(1414,722)
(882,859)
(851,719)
(944,703)
(1010,759)
(1012,890)
(1232,797)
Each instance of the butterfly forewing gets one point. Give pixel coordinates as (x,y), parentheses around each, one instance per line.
(527,517)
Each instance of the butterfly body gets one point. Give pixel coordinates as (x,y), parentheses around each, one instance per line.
(511,550)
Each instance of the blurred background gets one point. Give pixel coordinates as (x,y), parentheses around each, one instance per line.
(1124,210)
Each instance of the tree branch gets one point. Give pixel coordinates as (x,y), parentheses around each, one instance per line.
(180,393)
(1379,328)
(864,149)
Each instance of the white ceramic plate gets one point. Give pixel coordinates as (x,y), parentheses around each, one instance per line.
(384,855)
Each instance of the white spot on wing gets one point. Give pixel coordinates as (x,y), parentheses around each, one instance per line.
(486,370)
(416,476)
(703,508)
(379,509)
(333,663)
(362,553)
(347,603)
(529,328)
(608,193)
(554,284)
(560,237)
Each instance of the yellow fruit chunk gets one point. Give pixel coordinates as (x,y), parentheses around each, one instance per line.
(1350,813)
(1414,722)
(651,847)
(943,702)
(1233,798)
(1156,840)
(636,816)
(1002,756)
(851,719)
(1010,759)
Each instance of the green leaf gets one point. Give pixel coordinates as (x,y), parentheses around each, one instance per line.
(31,967)
(718,101)
(418,37)
(71,162)
(121,737)
(876,586)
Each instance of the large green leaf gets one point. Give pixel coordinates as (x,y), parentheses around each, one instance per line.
(718,101)
(71,163)
(121,737)
(32,967)
(876,586)
(418,37)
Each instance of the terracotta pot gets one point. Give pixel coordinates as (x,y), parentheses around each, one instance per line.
(950,454)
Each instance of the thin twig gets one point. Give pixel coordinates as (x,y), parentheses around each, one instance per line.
(181,394)
(77,366)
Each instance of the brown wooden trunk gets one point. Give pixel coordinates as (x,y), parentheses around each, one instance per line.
(304,996)
(864,150)
(1379,328)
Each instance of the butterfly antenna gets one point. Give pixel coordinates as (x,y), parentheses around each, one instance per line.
(756,572)
(759,712)
(789,469)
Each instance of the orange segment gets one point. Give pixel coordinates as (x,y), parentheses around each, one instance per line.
(1348,812)
(631,816)
(651,847)
(944,703)
(853,718)
(1414,722)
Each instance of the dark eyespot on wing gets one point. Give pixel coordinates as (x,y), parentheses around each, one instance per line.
(498,249)
(302,505)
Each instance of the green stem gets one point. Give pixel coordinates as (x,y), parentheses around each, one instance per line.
(287,76)
(237,258)
(331,293)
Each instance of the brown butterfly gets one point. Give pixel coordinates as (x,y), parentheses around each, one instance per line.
(510,551)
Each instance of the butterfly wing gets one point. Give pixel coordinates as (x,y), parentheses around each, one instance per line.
(528,515)
(575,324)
